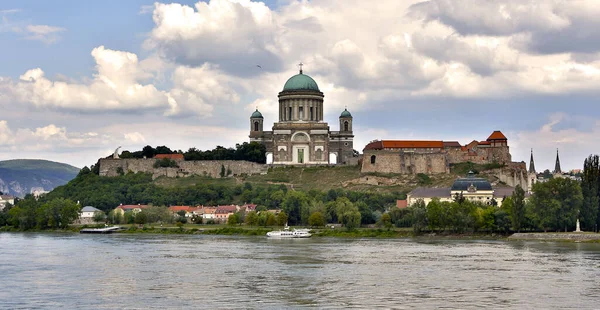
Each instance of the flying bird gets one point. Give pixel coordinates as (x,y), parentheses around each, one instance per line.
(259,66)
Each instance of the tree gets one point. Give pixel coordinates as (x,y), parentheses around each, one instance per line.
(233,219)
(517,212)
(271,219)
(555,203)
(419,215)
(251,218)
(347,213)
(316,219)
(141,218)
(282,218)
(386,220)
(590,187)
(99,216)
(294,204)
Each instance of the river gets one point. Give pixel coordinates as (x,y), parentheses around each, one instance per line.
(121,271)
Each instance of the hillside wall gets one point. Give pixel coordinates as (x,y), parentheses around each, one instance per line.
(404,163)
(110,167)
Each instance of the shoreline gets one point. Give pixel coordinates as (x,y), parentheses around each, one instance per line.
(558,236)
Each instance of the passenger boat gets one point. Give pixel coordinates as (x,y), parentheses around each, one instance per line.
(287,233)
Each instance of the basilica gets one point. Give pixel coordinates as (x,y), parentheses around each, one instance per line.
(301,137)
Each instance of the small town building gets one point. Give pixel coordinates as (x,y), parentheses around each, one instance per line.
(121,209)
(86,215)
(6,199)
(223,212)
(470,187)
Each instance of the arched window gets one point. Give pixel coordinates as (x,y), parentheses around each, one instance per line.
(255,126)
(346,126)
(373,157)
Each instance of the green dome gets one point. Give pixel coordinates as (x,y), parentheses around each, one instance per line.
(256,114)
(300,82)
(345,114)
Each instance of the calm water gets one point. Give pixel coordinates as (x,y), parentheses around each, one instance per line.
(72,271)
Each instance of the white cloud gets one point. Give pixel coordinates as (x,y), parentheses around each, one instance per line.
(44,33)
(6,134)
(135,137)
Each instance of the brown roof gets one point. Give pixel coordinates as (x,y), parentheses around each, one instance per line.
(169,156)
(451,144)
(130,207)
(397,144)
(401,204)
(484,143)
(226,209)
(179,208)
(497,135)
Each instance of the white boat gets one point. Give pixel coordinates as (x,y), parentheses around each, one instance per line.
(287,233)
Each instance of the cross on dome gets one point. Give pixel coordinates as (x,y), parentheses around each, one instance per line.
(300,66)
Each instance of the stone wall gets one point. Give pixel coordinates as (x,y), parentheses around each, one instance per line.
(481,155)
(404,163)
(513,174)
(110,167)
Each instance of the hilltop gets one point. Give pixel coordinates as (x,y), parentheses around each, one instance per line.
(19,176)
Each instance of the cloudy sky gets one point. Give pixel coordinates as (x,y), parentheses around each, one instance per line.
(79,78)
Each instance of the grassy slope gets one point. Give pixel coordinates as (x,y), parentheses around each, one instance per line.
(320,178)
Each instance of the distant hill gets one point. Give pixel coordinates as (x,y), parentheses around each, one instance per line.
(19,176)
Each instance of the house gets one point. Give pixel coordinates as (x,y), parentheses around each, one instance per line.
(86,215)
(6,199)
(248,207)
(176,209)
(223,212)
(208,213)
(121,209)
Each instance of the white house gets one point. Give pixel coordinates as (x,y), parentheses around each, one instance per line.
(6,199)
(86,215)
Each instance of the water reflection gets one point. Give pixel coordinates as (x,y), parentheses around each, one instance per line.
(172,272)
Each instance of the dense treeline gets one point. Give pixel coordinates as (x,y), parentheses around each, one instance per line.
(30,213)
(253,151)
(554,205)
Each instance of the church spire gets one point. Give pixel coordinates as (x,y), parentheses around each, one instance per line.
(557,165)
(531,163)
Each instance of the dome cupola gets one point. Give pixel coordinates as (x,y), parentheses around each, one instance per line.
(345,113)
(256,114)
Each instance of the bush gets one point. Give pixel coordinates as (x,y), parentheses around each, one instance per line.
(165,163)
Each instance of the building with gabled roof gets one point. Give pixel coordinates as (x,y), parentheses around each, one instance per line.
(432,156)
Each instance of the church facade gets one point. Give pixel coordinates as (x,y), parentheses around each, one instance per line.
(301,136)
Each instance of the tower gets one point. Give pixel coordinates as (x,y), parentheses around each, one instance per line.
(531,175)
(557,165)
(343,140)
(256,122)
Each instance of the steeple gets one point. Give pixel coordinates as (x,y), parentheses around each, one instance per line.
(531,163)
(557,165)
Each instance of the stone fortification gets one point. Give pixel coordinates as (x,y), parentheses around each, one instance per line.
(114,167)
(512,174)
(384,161)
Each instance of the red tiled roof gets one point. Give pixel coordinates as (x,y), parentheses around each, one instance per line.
(130,207)
(484,143)
(179,208)
(226,209)
(497,135)
(401,204)
(375,145)
(397,144)
(451,144)
(169,156)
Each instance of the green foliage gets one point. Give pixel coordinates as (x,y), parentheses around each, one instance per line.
(233,219)
(99,216)
(295,205)
(316,219)
(29,213)
(347,213)
(590,187)
(423,179)
(386,221)
(253,151)
(282,218)
(252,218)
(165,163)
(555,203)
(517,210)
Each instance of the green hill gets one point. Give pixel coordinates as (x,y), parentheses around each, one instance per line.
(19,176)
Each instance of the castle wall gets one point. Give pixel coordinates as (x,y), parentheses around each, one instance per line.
(110,167)
(404,163)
